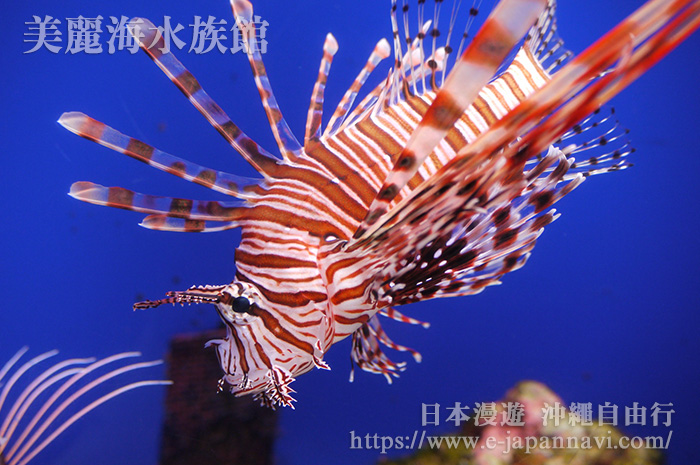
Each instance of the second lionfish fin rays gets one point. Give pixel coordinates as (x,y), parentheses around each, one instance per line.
(154,45)
(506,25)
(96,131)
(36,417)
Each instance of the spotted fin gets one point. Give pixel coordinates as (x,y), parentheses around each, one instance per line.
(126,199)
(460,238)
(506,25)
(286,141)
(96,131)
(486,199)
(146,34)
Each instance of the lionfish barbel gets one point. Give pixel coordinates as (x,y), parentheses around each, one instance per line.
(436,184)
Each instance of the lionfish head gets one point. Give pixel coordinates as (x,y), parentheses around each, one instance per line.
(258,355)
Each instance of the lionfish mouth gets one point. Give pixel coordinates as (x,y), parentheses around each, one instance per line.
(193,295)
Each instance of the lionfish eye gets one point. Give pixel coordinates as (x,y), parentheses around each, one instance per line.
(240,305)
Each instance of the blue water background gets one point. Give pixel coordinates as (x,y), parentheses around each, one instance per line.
(606,310)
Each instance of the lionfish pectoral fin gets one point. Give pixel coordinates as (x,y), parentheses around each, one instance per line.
(194,295)
(367,352)
(473,229)
(287,143)
(506,25)
(583,85)
(578,89)
(152,42)
(394,314)
(96,131)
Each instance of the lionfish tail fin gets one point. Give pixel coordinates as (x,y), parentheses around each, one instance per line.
(152,42)
(96,131)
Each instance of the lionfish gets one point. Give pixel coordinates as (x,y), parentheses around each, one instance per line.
(436,184)
(33,420)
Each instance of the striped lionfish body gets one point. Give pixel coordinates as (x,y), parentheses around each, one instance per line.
(436,184)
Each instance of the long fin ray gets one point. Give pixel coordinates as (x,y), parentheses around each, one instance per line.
(654,18)
(315,114)
(146,34)
(126,199)
(287,143)
(380,52)
(96,131)
(168,223)
(506,25)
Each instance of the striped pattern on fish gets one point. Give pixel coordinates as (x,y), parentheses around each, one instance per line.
(436,184)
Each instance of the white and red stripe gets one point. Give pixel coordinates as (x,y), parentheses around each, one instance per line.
(423,190)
